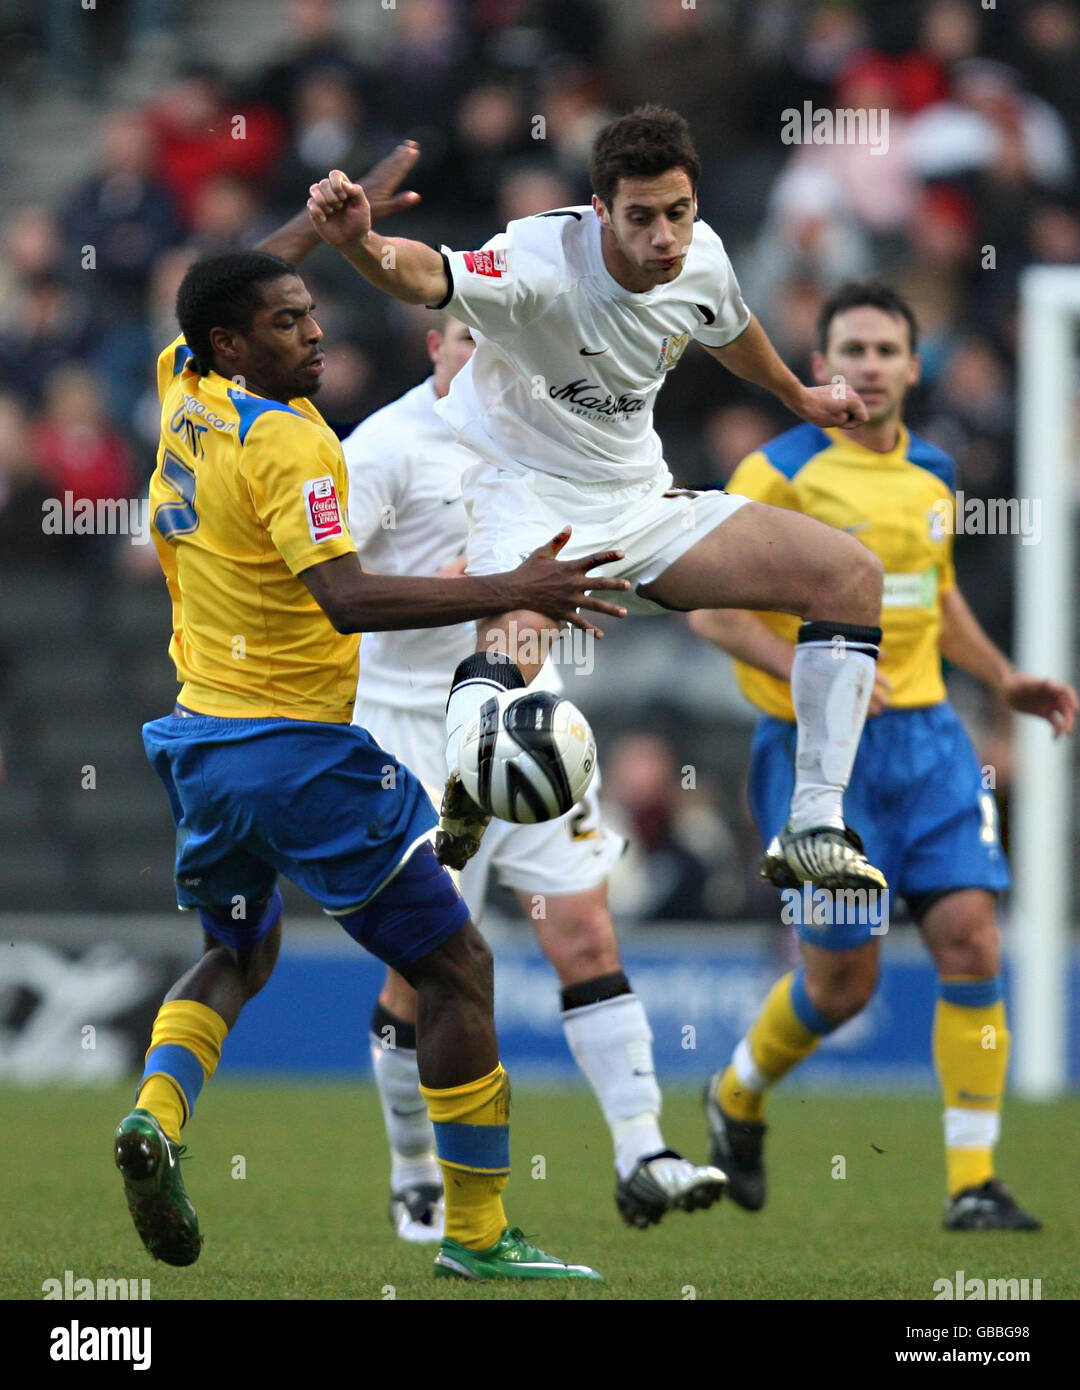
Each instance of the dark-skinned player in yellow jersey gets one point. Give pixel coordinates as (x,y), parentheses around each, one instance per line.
(264,771)
(916,787)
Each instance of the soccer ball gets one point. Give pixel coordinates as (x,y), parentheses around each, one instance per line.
(527,756)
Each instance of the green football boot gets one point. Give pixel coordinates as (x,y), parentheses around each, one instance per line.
(150,1165)
(511,1257)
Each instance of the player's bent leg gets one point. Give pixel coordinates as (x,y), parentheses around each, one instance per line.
(609,1037)
(419,924)
(416,1190)
(800,1009)
(511,648)
(775,560)
(763,557)
(971,1056)
(185,1047)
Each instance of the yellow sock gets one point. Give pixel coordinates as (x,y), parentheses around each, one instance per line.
(472,1136)
(971,1057)
(787,1029)
(185,1047)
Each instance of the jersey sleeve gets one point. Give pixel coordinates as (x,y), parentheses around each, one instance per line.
(299,489)
(500,288)
(171,363)
(726,315)
(761,481)
(375,472)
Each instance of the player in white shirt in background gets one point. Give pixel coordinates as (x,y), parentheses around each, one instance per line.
(407,516)
(578,314)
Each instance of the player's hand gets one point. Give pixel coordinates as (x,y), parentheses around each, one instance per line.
(381,183)
(1049,699)
(339,210)
(831,407)
(454,570)
(559,588)
(881,695)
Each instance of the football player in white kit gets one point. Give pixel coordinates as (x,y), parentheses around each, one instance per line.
(578,315)
(407,516)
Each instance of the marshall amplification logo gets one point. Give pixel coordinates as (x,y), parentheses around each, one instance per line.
(672,347)
(586,397)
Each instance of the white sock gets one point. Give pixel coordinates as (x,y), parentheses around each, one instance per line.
(971,1129)
(831,683)
(746,1069)
(408,1127)
(476,679)
(612,1044)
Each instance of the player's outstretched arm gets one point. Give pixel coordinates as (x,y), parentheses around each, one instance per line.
(965,644)
(357,601)
(298,237)
(752,357)
(341,214)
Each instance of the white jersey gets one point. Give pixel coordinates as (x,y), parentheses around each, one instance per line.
(407,517)
(568,363)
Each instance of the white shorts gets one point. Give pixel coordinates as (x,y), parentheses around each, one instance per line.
(512,512)
(572,854)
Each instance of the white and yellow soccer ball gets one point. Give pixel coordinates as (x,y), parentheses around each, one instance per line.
(527,756)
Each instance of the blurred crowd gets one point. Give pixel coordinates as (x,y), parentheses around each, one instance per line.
(980,178)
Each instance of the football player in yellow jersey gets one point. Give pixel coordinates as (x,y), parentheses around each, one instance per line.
(925,816)
(264,771)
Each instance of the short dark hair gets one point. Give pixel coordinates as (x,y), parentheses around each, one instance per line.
(865,294)
(223,292)
(647,142)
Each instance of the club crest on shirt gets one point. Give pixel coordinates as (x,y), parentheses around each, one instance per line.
(323,509)
(492,263)
(672,347)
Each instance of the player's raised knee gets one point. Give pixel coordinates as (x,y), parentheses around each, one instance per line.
(848,586)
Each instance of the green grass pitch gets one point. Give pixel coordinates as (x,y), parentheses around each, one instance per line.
(308,1218)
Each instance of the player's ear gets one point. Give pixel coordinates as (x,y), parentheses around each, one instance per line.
(817,366)
(433,340)
(223,342)
(915,370)
(600,208)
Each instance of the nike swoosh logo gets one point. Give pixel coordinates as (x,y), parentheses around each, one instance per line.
(449,501)
(595,353)
(970,1095)
(404,1114)
(639,1072)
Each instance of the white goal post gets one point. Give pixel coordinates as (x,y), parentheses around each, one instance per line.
(1042,809)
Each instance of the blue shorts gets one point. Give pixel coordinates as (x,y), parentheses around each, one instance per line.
(322,804)
(916,798)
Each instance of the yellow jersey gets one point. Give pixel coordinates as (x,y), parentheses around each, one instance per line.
(899,505)
(247,493)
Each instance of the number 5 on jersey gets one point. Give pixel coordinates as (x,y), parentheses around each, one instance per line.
(174,519)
